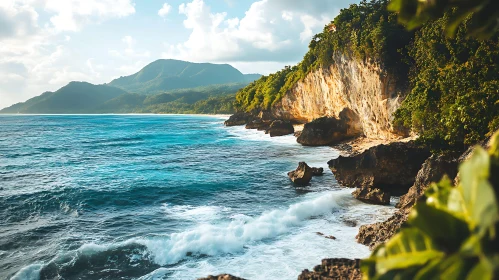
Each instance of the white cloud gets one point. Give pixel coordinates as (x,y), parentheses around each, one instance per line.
(271,30)
(165,10)
(71,15)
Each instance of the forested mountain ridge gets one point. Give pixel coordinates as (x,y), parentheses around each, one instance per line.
(168,74)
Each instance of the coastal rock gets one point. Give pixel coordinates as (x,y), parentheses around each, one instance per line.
(302,175)
(433,169)
(317,171)
(372,196)
(240,118)
(334,269)
(391,168)
(258,124)
(365,88)
(377,233)
(329,130)
(280,128)
(222,277)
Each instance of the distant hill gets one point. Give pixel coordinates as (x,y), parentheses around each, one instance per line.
(168,74)
(74,98)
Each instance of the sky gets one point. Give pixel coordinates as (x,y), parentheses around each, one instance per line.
(45,44)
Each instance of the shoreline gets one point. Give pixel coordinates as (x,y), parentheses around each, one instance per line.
(124,114)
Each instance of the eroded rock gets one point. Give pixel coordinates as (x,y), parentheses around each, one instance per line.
(240,118)
(329,130)
(334,269)
(374,234)
(317,171)
(280,128)
(372,196)
(222,277)
(302,175)
(391,168)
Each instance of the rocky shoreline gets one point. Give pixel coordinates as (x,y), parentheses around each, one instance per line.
(376,168)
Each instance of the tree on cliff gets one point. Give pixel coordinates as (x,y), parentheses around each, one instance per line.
(483,14)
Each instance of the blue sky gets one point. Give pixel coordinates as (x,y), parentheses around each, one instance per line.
(44,44)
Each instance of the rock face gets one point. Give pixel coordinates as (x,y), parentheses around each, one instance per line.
(391,168)
(280,128)
(302,175)
(258,124)
(365,89)
(433,169)
(240,118)
(334,269)
(372,196)
(222,277)
(375,234)
(330,130)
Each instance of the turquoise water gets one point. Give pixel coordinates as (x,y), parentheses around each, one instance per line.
(164,197)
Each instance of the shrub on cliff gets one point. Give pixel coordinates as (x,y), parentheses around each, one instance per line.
(366,31)
(453,234)
(454,101)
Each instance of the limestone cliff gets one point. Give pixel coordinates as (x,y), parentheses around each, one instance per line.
(366,89)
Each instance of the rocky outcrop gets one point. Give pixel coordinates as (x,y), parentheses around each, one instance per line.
(372,196)
(317,171)
(330,130)
(391,168)
(366,89)
(258,124)
(334,269)
(433,169)
(280,128)
(222,277)
(302,175)
(375,234)
(240,118)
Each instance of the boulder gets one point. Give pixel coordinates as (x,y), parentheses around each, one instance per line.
(378,233)
(334,269)
(280,128)
(221,277)
(258,124)
(432,170)
(372,196)
(391,168)
(302,175)
(240,118)
(317,171)
(329,130)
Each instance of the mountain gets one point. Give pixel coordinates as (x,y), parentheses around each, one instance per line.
(76,97)
(168,74)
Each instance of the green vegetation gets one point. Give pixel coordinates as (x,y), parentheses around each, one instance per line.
(483,14)
(455,88)
(451,235)
(366,31)
(85,98)
(168,74)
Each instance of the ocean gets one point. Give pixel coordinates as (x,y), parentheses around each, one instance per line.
(165,197)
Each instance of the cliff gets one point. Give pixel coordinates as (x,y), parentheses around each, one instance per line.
(366,89)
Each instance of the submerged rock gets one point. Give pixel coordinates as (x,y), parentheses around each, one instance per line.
(329,130)
(372,196)
(302,175)
(334,269)
(222,277)
(240,118)
(391,168)
(280,128)
(433,169)
(317,171)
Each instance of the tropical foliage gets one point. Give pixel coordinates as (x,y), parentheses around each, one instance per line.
(455,88)
(451,235)
(483,14)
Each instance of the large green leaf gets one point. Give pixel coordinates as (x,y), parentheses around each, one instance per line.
(408,249)
(479,198)
(446,229)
